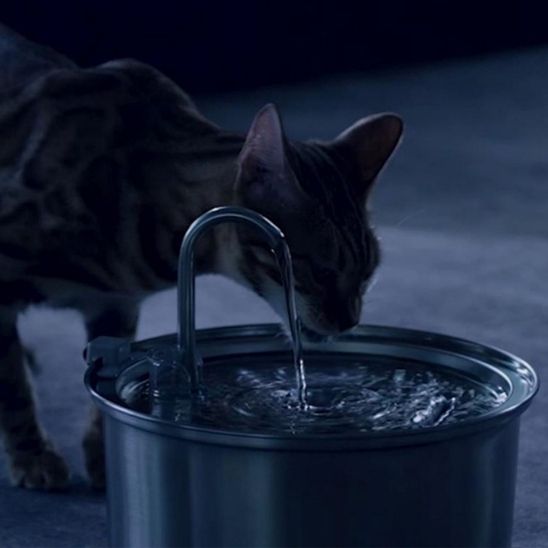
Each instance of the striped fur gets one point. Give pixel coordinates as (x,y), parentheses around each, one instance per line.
(101,172)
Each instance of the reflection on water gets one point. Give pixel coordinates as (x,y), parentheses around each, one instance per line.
(342,396)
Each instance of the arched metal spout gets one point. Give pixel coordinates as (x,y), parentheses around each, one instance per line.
(186,283)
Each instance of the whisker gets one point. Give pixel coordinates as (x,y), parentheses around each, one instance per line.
(410,216)
(372,283)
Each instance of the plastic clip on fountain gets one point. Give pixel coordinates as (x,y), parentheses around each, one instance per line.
(397,438)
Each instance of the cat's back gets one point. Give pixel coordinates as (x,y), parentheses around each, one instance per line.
(77,112)
(58,125)
(69,136)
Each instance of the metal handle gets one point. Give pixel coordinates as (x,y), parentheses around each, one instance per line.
(186,277)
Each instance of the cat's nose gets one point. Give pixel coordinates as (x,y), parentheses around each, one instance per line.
(347,319)
(349,316)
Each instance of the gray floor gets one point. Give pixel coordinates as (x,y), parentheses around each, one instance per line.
(462,212)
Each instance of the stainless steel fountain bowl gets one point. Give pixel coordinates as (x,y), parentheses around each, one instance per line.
(170,484)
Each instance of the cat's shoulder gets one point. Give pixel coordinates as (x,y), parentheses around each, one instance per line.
(117,80)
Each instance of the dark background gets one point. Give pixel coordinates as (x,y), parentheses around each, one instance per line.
(213,46)
(461,209)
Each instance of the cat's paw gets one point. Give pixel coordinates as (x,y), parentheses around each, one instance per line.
(43,470)
(94,454)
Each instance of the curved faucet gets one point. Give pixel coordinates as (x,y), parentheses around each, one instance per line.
(186,286)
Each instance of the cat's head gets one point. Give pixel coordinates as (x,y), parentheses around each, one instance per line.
(317,193)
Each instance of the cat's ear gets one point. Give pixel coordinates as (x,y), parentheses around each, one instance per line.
(369,143)
(264,148)
(264,174)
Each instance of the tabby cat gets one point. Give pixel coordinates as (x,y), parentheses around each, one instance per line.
(101,172)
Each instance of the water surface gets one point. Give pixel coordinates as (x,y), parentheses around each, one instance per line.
(344,395)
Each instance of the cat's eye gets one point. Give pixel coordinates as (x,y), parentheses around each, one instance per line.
(261,249)
(320,275)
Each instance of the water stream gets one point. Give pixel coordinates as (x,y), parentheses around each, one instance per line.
(283,257)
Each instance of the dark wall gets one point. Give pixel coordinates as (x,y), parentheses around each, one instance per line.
(209,46)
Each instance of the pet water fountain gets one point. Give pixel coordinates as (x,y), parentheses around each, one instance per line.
(384,437)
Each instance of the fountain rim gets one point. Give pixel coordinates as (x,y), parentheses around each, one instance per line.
(504,363)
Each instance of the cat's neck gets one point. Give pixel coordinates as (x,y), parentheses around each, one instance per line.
(205,178)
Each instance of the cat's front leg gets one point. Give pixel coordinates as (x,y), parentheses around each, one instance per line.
(33,461)
(115,320)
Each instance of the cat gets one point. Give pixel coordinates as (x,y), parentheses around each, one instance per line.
(101,172)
